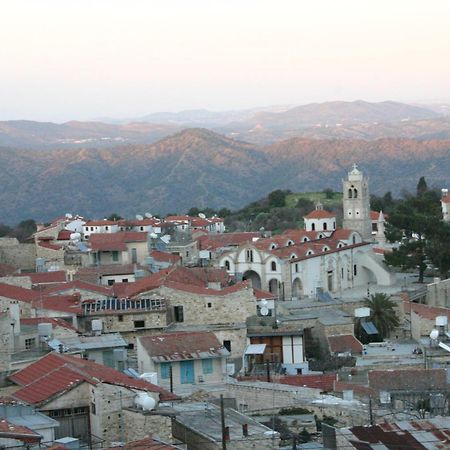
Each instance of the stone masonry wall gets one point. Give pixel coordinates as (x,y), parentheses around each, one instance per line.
(17,254)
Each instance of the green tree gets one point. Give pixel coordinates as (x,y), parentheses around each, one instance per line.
(114,217)
(24,230)
(277,199)
(382,313)
(414,223)
(422,186)
(328,193)
(4,230)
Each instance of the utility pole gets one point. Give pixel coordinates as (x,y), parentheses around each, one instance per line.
(222,417)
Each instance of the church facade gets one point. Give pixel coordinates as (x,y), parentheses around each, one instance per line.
(321,258)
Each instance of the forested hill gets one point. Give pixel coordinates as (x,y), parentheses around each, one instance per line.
(197,167)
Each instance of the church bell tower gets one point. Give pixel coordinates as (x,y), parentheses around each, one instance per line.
(357,204)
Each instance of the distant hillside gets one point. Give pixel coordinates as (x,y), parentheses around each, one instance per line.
(41,135)
(262,126)
(340,120)
(200,168)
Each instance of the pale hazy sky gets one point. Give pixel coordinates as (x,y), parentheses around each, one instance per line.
(62,60)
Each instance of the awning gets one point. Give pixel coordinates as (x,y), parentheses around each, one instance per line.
(255,349)
(369,327)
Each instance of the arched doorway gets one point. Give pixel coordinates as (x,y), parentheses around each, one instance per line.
(297,288)
(253,277)
(273,286)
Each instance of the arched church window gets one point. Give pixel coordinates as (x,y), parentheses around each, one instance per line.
(355,193)
(274,266)
(313,226)
(324,226)
(227,264)
(354,239)
(350,193)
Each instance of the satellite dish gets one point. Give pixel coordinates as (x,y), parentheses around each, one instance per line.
(434,334)
(68,216)
(75,236)
(139,217)
(148,215)
(264,311)
(201,215)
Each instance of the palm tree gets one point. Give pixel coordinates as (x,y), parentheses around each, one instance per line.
(382,313)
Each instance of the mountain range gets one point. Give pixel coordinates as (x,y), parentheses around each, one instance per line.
(198,167)
(262,126)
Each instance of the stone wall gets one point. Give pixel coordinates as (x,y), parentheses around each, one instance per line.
(139,424)
(22,256)
(438,294)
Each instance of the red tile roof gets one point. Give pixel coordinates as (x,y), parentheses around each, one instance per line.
(57,373)
(165,257)
(58,276)
(322,382)
(216,241)
(17,293)
(48,245)
(429,312)
(78,285)
(408,379)
(446,199)
(260,294)
(183,346)
(17,432)
(320,214)
(64,235)
(62,303)
(340,386)
(344,343)
(115,241)
(100,223)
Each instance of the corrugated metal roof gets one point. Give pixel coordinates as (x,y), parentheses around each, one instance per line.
(89,342)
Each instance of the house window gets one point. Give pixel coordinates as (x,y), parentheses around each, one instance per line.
(296,267)
(120,317)
(227,265)
(139,324)
(110,282)
(142,228)
(209,304)
(30,343)
(134,255)
(124,280)
(106,228)
(313,226)
(115,255)
(187,254)
(93,408)
(165,370)
(342,273)
(130,346)
(273,266)
(249,255)
(92,228)
(207,366)
(355,271)
(178,313)
(324,226)
(227,345)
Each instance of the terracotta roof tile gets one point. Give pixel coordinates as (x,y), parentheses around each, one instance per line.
(322,382)
(58,276)
(78,285)
(56,373)
(446,199)
(183,346)
(344,343)
(320,214)
(115,241)
(165,257)
(18,432)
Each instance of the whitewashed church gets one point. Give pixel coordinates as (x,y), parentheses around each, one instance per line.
(319,258)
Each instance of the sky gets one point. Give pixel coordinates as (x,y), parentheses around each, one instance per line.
(62,60)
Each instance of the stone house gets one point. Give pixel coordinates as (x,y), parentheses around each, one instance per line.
(189,357)
(86,398)
(125,247)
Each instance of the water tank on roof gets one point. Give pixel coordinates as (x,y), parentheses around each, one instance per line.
(44,329)
(144,401)
(362,312)
(97,325)
(441,321)
(150,377)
